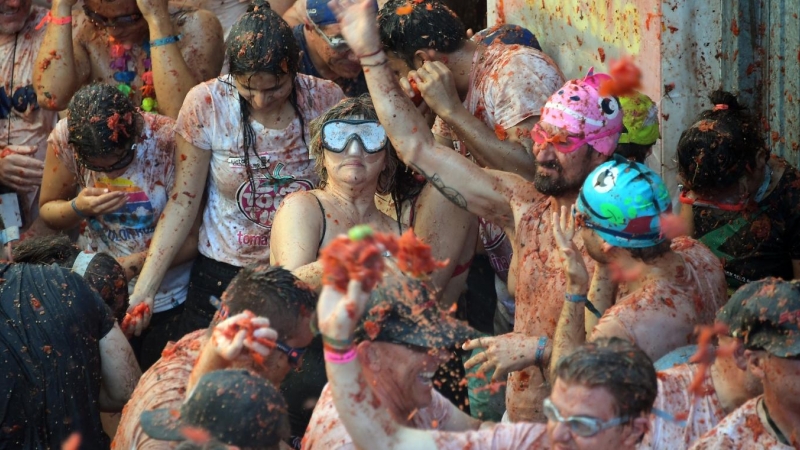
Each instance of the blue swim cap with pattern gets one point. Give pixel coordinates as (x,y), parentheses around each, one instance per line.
(622,201)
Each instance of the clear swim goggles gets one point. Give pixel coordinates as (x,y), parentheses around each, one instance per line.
(337,134)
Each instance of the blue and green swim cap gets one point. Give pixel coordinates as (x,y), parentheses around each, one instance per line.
(622,201)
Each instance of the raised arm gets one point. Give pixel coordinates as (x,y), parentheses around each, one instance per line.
(62,65)
(485,193)
(191,172)
(179,66)
(499,149)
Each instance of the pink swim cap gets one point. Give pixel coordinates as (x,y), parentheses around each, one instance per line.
(579,109)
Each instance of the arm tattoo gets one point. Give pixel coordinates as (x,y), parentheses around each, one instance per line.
(448,192)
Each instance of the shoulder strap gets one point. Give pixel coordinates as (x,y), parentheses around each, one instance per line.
(324,221)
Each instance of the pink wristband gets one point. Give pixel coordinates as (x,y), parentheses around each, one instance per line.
(49,18)
(341,358)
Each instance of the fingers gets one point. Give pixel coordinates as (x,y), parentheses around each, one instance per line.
(472,344)
(405,85)
(477,359)
(23,150)
(266,333)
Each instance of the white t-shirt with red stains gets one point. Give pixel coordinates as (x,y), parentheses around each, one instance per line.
(745,428)
(700,415)
(237,221)
(147,182)
(326,430)
(26,129)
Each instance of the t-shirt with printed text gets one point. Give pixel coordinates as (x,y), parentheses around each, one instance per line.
(237,220)
(147,182)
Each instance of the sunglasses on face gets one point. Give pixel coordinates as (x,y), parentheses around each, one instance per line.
(562,142)
(337,43)
(110,22)
(699,202)
(337,134)
(582,426)
(294,354)
(124,161)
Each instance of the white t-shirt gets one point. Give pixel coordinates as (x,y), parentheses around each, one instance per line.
(745,428)
(31,130)
(236,223)
(147,181)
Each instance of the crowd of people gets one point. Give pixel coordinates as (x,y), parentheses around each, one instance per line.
(172,174)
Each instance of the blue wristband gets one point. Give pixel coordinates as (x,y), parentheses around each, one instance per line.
(576,298)
(540,347)
(77,211)
(165,40)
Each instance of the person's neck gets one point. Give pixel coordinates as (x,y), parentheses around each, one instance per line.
(665,267)
(316,59)
(357,200)
(567,200)
(786,417)
(728,384)
(460,64)
(392,399)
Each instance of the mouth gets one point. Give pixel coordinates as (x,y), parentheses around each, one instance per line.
(426,378)
(9,13)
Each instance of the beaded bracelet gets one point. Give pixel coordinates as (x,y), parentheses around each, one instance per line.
(341,358)
(77,211)
(165,40)
(49,18)
(540,347)
(577,298)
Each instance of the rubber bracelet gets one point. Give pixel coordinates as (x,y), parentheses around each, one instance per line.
(576,298)
(77,211)
(540,347)
(49,18)
(337,350)
(375,64)
(344,358)
(336,342)
(376,52)
(166,40)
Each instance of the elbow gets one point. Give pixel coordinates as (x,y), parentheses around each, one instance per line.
(50,101)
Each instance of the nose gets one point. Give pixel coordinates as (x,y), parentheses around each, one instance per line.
(354,148)
(258,100)
(560,433)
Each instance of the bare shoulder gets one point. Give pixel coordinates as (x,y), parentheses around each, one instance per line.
(300,202)
(198,26)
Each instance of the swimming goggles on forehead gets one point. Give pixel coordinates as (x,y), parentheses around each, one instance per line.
(337,134)
(583,426)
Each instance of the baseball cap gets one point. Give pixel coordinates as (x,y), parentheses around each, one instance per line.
(640,117)
(401,310)
(319,12)
(622,201)
(765,314)
(233,406)
(579,109)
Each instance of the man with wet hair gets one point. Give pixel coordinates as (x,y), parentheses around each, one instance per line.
(402,341)
(24,126)
(577,132)
(602,395)
(268,298)
(149,50)
(768,323)
(63,356)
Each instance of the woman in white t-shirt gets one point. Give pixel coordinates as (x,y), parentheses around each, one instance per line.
(242,140)
(119,160)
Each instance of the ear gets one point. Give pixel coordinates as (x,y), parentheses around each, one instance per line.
(739,355)
(422,55)
(638,429)
(756,363)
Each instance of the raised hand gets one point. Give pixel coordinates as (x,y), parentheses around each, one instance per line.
(438,87)
(244,331)
(358,19)
(338,313)
(563,224)
(505,354)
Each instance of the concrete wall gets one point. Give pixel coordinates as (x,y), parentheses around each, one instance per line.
(685,48)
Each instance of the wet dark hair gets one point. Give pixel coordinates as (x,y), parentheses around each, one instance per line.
(618,366)
(271,292)
(360,106)
(101,121)
(103,274)
(634,152)
(721,146)
(261,41)
(429,25)
(650,254)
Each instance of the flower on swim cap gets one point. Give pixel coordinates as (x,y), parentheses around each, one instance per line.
(579,109)
(623,201)
(640,116)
